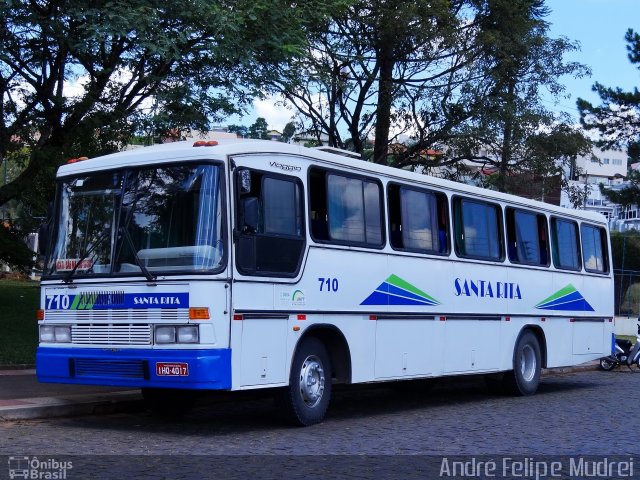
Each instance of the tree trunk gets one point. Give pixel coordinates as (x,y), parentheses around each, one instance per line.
(383,110)
(507,139)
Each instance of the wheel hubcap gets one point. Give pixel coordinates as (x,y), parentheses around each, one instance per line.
(311,381)
(528,363)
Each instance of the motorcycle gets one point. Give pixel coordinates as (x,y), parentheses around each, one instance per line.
(626,353)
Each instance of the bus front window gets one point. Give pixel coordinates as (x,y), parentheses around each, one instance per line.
(167,219)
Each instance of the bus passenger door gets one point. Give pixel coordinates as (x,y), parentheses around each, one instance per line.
(269,243)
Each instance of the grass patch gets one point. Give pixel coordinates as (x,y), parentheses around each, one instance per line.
(631,338)
(19,302)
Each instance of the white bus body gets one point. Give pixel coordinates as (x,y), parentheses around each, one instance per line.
(270,265)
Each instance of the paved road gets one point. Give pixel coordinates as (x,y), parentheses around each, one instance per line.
(573,414)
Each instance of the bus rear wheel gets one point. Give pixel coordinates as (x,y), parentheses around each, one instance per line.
(306,399)
(525,376)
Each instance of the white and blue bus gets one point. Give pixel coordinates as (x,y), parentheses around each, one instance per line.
(257,264)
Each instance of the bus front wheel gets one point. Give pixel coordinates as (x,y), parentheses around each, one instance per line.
(525,376)
(306,399)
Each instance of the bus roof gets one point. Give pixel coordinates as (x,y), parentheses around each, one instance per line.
(176,151)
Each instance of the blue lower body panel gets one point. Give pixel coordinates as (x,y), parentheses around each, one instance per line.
(187,369)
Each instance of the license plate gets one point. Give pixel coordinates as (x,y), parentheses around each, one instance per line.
(164,369)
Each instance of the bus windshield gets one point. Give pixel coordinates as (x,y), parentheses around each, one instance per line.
(156,220)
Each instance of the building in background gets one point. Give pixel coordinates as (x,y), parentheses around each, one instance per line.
(603,167)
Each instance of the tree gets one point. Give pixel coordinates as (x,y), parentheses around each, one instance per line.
(628,195)
(238,130)
(383,68)
(617,119)
(79,78)
(259,129)
(510,131)
(617,123)
(288,131)
(633,152)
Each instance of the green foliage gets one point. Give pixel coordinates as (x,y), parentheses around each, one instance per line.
(625,251)
(19,302)
(259,129)
(509,129)
(633,152)
(288,131)
(239,130)
(627,196)
(82,78)
(377,66)
(617,119)
(465,74)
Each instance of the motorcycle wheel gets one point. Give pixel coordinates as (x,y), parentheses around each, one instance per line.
(606,364)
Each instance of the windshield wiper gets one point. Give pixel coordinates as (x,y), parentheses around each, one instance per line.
(150,277)
(68,278)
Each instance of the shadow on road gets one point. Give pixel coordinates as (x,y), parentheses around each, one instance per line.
(228,413)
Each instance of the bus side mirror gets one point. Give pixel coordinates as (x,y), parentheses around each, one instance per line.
(44,230)
(249,215)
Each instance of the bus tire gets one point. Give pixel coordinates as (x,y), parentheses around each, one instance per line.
(305,401)
(525,377)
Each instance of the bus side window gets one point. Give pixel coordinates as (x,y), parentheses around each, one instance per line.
(345,209)
(526,237)
(594,249)
(478,231)
(566,245)
(417,220)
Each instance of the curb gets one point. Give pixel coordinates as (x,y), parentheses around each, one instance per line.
(72,405)
(574,369)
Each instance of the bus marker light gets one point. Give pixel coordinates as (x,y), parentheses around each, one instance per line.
(572,320)
(238,317)
(373,317)
(543,319)
(507,319)
(442,319)
(199,313)
(204,143)
(302,317)
(296,328)
(76,160)
(40,314)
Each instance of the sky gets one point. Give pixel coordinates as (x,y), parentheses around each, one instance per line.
(598,25)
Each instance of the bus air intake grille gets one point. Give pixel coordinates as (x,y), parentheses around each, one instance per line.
(111,334)
(152,315)
(107,368)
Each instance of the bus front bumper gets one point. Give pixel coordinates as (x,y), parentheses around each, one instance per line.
(185,369)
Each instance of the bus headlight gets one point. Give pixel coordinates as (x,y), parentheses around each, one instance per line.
(46,334)
(167,334)
(188,334)
(62,334)
(55,334)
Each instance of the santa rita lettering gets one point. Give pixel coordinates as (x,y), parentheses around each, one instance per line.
(486,288)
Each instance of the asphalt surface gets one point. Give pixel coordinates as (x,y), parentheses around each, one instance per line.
(371,431)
